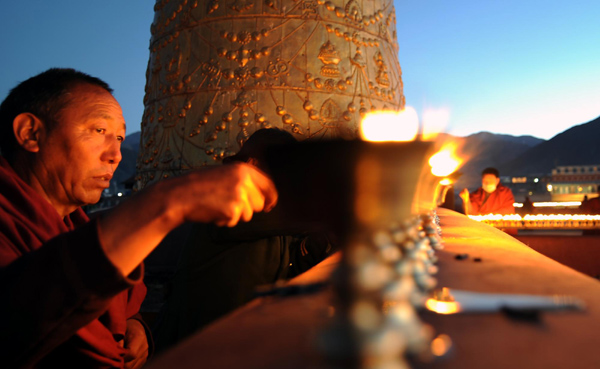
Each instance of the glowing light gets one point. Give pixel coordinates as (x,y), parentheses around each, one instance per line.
(441,345)
(445,162)
(540,221)
(120,194)
(536,180)
(495,217)
(442,307)
(549,204)
(518,204)
(549,188)
(385,126)
(517,217)
(561,217)
(446,182)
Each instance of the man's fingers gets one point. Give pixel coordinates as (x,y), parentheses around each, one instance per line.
(247,209)
(255,197)
(235,215)
(266,187)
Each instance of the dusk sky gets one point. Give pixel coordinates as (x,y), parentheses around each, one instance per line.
(521,67)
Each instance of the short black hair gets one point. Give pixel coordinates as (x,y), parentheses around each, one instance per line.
(491,170)
(44,96)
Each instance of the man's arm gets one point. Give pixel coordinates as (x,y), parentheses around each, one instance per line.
(223,195)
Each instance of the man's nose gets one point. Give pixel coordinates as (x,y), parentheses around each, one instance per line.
(112,154)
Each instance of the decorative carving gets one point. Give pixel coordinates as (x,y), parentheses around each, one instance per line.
(310,9)
(174,65)
(330,114)
(242,5)
(243,99)
(212,6)
(382,75)
(217,73)
(358,59)
(277,68)
(329,56)
(353,11)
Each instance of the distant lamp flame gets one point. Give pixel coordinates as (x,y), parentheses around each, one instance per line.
(540,221)
(445,162)
(442,302)
(550,204)
(442,307)
(385,126)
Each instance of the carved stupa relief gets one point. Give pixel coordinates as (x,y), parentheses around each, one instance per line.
(221,69)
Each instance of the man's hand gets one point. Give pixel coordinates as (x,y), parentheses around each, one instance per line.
(224,195)
(136,343)
(464,195)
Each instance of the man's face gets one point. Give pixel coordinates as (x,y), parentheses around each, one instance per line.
(489,182)
(80,153)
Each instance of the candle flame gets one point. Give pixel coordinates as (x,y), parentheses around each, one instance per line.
(534,217)
(445,162)
(385,126)
(442,307)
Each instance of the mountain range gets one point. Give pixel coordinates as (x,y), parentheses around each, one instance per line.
(579,145)
(512,155)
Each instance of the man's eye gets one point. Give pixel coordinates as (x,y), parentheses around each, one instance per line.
(120,138)
(100,130)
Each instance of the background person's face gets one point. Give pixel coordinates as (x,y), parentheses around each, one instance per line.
(489,181)
(81,153)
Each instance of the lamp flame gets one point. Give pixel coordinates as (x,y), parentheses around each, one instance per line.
(534,217)
(385,126)
(540,221)
(442,307)
(445,162)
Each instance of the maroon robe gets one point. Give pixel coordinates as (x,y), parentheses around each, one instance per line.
(499,202)
(63,302)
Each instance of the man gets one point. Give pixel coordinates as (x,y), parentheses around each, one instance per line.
(491,198)
(70,287)
(220,268)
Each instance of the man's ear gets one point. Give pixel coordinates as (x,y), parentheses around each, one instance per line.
(27,129)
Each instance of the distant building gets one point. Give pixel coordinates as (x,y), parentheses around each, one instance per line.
(532,186)
(574,182)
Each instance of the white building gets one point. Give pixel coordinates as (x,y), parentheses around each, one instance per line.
(574,182)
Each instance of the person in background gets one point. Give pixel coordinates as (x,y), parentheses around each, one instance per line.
(220,269)
(528,206)
(71,287)
(591,206)
(491,198)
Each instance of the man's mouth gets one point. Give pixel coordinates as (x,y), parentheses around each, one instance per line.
(104,177)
